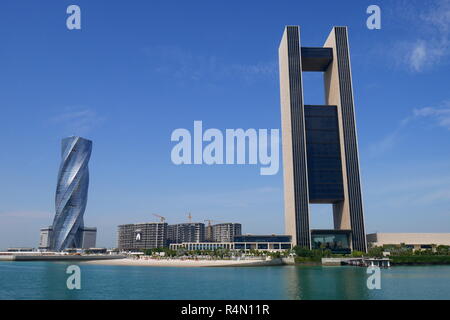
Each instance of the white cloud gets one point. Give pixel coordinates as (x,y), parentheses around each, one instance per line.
(439,16)
(428,44)
(250,72)
(385,144)
(434,196)
(426,54)
(78,121)
(185,66)
(438,116)
(418,56)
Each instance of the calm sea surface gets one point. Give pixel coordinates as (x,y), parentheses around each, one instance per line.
(47,280)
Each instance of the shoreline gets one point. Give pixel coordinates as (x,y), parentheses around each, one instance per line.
(41,257)
(185,263)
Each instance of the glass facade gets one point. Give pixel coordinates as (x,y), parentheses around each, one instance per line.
(262,238)
(71,193)
(337,242)
(323,154)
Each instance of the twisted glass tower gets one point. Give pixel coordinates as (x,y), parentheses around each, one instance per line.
(71,193)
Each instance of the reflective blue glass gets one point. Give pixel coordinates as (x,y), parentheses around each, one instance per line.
(71,193)
(323,154)
(262,238)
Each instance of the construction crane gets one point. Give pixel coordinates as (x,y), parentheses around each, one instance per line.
(190,217)
(209,230)
(160,217)
(209,221)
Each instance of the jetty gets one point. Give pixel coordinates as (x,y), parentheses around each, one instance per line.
(358,262)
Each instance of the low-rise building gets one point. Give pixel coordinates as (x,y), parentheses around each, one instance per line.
(202,245)
(96,251)
(241,243)
(415,241)
(22,249)
(271,242)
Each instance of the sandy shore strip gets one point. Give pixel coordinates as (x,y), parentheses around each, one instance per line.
(185,263)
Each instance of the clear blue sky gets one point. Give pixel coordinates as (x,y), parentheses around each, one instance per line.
(140,69)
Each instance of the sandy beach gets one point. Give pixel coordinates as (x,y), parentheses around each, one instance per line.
(185,263)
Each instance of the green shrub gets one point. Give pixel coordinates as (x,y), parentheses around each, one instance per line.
(357,253)
(376,252)
(314,255)
(148,252)
(420,259)
(443,250)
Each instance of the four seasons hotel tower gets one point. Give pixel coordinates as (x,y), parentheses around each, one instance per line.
(320,148)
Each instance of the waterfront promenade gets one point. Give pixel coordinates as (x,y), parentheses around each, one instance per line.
(57,257)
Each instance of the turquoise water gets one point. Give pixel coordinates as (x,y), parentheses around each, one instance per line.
(47,280)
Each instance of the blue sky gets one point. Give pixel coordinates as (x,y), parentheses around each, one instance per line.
(137,70)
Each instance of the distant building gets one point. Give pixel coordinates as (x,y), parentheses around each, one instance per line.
(96,251)
(142,236)
(44,239)
(225,232)
(263,242)
(186,232)
(209,233)
(241,243)
(87,238)
(415,241)
(26,249)
(211,246)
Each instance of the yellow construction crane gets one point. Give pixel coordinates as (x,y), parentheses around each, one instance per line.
(160,217)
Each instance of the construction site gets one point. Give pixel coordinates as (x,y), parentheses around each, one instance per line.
(149,235)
